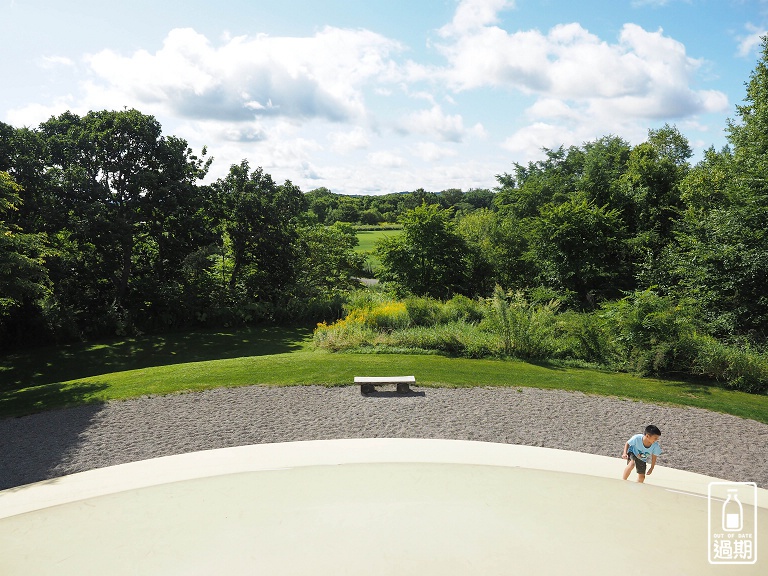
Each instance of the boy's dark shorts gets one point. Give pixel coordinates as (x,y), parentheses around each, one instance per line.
(639,464)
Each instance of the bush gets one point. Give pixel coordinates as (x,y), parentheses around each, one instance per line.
(423,311)
(342,335)
(452,338)
(652,332)
(740,369)
(526,330)
(462,308)
(366,298)
(584,336)
(385,316)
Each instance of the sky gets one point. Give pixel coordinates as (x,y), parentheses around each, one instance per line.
(379,96)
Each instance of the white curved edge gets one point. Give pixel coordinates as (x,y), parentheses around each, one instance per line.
(263,457)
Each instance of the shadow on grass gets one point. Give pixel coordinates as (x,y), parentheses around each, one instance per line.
(63,363)
(696,388)
(47,396)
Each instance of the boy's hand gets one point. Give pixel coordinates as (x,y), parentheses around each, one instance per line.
(649,471)
(624,455)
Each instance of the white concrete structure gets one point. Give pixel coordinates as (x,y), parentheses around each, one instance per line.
(375,506)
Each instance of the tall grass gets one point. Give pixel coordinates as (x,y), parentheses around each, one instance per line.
(527,331)
(644,333)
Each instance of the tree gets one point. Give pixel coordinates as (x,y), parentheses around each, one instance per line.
(327,260)
(114,172)
(23,277)
(429,258)
(749,135)
(721,254)
(260,221)
(578,249)
(551,180)
(605,161)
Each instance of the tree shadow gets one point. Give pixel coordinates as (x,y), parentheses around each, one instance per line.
(34,446)
(691,386)
(47,396)
(63,363)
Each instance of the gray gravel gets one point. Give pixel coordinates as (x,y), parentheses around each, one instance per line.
(55,443)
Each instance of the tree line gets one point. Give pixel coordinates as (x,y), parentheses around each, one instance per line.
(107,228)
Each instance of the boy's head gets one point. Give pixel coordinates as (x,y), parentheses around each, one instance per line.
(652,432)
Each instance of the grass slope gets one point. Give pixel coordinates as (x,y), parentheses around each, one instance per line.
(304,366)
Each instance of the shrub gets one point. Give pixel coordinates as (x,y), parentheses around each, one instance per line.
(367,298)
(423,311)
(453,338)
(526,330)
(584,336)
(385,316)
(462,308)
(342,335)
(740,369)
(652,332)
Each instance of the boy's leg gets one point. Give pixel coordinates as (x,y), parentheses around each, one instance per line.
(641,478)
(628,469)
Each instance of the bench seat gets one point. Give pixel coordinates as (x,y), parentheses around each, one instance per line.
(368,383)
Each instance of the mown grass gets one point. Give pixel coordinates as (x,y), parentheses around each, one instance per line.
(304,367)
(367,240)
(62,363)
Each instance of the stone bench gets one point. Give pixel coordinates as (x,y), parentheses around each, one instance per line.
(368,383)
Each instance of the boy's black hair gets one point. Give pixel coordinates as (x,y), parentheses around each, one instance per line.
(652,430)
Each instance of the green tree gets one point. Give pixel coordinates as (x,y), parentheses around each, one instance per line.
(429,258)
(655,170)
(721,255)
(554,180)
(749,134)
(23,277)
(605,161)
(578,249)
(261,220)
(327,260)
(113,171)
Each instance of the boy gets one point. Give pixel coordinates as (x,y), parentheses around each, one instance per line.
(638,449)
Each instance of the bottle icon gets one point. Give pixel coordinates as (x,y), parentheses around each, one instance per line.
(733,512)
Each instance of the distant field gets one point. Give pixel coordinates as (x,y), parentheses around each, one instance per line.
(367,244)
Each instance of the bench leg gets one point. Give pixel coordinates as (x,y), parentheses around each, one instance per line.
(367,388)
(402,388)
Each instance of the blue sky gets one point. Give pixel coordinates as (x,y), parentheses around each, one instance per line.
(377,96)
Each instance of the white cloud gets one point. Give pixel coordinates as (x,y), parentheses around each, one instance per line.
(32,115)
(582,86)
(55,61)
(386,159)
(431,152)
(315,109)
(302,78)
(654,3)
(749,44)
(347,141)
(474,14)
(644,74)
(434,122)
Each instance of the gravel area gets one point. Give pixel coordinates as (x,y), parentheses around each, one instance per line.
(55,443)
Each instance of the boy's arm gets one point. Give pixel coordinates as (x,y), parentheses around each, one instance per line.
(653,463)
(626,449)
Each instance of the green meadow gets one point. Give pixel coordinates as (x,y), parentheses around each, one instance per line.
(367,240)
(50,378)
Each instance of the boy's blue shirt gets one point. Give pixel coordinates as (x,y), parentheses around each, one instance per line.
(637,447)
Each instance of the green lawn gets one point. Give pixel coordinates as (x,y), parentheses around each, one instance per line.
(367,244)
(278,357)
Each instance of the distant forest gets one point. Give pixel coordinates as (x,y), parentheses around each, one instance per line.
(106,228)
